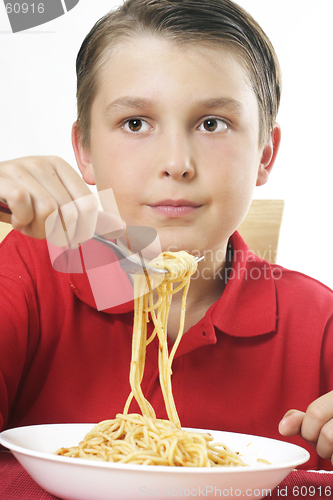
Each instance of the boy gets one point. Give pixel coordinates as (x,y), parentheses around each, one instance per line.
(177,103)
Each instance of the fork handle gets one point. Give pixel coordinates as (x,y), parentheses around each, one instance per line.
(4,207)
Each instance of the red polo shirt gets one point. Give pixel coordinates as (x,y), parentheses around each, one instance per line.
(264,347)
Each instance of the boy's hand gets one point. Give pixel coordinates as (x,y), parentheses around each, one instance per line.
(35,188)
(315,425)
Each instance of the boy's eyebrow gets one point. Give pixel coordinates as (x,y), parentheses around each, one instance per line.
(223,102)
(128,102)
(140,103)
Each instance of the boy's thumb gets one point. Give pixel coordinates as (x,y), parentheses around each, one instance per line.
(291,423)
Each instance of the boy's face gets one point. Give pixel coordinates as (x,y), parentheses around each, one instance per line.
(175,133)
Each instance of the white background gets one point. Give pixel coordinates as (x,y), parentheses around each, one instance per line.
(37,109)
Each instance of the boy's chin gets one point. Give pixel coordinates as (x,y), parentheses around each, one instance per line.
(194,240)
(180,244)
(196,246)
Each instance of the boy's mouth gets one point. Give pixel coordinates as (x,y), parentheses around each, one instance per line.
(174,208)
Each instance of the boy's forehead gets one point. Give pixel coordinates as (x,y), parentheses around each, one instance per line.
(139,52)
(152,63)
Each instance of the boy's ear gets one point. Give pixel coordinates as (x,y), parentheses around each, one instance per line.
(269,155)
(82,155)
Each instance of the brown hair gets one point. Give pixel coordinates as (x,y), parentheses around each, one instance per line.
(216,22)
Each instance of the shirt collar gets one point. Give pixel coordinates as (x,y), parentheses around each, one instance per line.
(248,305)
(98,280)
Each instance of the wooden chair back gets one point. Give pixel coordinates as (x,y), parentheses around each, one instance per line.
(4,230)
(261,228)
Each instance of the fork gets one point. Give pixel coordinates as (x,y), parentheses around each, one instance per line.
(127,263)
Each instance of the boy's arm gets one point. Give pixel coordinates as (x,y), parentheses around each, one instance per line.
(18,338)
(315,425)
(33,187)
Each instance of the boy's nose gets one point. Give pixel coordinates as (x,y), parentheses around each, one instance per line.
(177,159)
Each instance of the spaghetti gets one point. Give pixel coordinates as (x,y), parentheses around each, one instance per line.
(144,439)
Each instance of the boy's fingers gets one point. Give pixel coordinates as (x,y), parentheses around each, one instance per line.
(90,220)
(70,178)
(325,441)
(317,414)
(53,176)
(77,222)
(78,208)
(291,423)
(317,426)
(48,198)
(35,187)
(42,198)
(79,218)
(32,191)
(19,202)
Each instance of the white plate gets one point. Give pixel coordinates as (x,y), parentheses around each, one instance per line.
(78,479)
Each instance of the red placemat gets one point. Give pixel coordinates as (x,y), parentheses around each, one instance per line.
(15,482)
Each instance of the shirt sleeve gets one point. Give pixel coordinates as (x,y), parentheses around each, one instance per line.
(18,327)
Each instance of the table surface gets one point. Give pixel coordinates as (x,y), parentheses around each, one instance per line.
(16,484)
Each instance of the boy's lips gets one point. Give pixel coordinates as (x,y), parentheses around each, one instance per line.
(175,208)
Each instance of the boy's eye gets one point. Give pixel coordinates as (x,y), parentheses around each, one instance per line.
(136,125)
(213,125)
